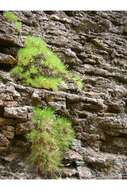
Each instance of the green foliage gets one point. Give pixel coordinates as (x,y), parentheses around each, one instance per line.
(51,137)
(78,81)
(38,81)
(63,133)
(35,46)
(18,26)
(12,18)
(39,67)
(44,82)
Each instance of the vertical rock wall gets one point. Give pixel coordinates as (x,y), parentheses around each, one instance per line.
(92,44)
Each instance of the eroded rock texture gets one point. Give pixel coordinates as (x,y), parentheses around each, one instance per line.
(93,44)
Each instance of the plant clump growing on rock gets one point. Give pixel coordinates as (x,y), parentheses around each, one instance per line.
(38,66)
(12,18)
(77,80)
(50,138)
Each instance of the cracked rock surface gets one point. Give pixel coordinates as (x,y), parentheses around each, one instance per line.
(94,45)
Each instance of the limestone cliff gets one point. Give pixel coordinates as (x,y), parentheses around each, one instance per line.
(93,44)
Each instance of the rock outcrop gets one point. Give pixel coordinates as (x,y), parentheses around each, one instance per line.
(92,44)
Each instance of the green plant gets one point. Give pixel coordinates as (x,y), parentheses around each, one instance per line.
(44,82)
(35,46)
(78,81)
(50,138)
(12,18)
(18,26)
(39,67)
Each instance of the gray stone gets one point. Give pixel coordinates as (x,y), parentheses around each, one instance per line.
(10,40)
(7,59)
(92,45)
(67,172)
(84,173)
(20,113)
(24,128)
(4,142)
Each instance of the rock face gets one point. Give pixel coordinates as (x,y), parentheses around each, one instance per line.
(94,45)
